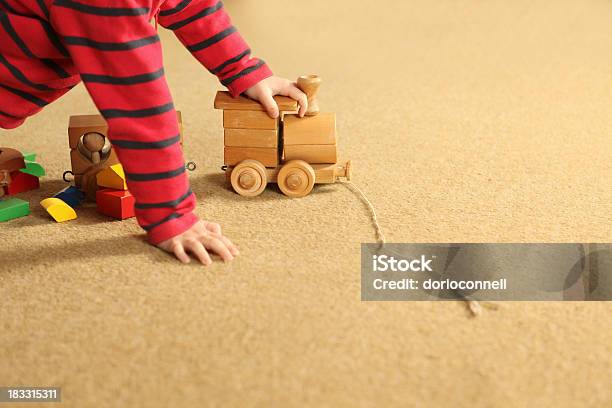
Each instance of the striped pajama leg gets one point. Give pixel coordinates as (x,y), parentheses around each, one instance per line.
(17,104)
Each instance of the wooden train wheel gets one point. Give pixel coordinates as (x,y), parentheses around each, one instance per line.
(249,178)
(296,178)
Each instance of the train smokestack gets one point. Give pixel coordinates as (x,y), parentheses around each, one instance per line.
(309,84)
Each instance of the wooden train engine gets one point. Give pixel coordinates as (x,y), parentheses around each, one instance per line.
(291,151)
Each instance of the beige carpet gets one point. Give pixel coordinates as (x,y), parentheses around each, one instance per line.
(477,121)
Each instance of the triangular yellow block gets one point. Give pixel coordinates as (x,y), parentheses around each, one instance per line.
(112,177)
(59,210)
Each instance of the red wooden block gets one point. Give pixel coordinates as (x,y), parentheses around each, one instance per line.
(115,203)
(21,182)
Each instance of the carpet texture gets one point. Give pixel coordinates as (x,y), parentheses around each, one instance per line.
(467,121)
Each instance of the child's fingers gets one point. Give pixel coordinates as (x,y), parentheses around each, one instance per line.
(198,250)
(213,227)
(269,104)
(180,253)
(218,247)
(230,245)
(295,93)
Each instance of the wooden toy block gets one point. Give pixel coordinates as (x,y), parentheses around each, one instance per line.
(224,101)
(312,153)
(71,196)
(21,182)
(58,209)
(266,156)
(34,169)
(310,84)
(112,177)
(115,203)
(11,159)
(310,130)
(13,208)
(81,124)
(236,119)
(251,138)
(81,164)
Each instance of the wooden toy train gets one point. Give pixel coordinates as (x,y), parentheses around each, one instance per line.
(291,151)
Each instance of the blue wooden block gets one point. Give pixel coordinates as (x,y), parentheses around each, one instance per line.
(71,196)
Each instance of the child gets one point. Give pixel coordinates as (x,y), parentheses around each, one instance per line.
(49,46)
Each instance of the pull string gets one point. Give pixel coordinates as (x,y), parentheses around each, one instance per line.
(473,305)
(380,236)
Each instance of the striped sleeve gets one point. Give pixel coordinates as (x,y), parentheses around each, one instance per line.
(206,30)
(122,70)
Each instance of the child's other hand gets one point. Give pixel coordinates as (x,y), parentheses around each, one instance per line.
(265,90)
(204,236)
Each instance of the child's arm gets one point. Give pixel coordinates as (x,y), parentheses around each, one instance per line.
(118,54)
(207,32)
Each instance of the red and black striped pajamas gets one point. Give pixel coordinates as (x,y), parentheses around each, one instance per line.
(49,46)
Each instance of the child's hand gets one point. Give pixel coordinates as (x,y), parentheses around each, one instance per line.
(269,87)
(204,236)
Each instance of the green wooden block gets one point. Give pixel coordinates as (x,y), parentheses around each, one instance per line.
(13,208)
(29,156)
(34,169)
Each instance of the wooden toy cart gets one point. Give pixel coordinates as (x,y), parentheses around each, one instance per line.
(296,153)
(91,151)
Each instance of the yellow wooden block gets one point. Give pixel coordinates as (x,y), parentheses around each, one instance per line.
(312,153)
(112,177)
(237,119)
(59,210)
(266,156)
(310,130)
(224,100)
(251,138)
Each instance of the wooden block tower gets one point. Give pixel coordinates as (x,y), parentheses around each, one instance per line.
(249,133)
(312,138)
